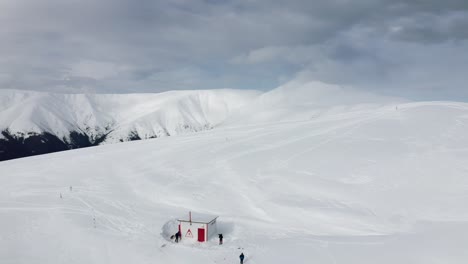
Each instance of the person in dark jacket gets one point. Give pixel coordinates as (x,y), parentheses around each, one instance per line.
(177,237)
(220,239)
(241,257)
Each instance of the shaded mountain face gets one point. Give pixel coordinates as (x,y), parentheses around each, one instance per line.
(18,146)
(33,123)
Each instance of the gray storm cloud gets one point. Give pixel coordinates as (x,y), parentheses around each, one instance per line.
(417,49)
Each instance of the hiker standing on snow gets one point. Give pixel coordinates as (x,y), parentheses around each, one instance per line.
(220,239)
(241,257)
(177,236)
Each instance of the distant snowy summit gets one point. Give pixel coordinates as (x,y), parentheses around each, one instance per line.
(34,123)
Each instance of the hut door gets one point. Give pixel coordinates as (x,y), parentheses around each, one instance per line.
(201,235)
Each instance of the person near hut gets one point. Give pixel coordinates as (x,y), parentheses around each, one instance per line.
(220,239)
(177,236)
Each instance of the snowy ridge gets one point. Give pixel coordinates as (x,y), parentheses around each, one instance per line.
(357,183)
(120,117)
(300,100)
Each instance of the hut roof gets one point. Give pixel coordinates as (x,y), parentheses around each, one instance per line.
(198,218)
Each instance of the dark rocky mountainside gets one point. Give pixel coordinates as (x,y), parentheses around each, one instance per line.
(14,146)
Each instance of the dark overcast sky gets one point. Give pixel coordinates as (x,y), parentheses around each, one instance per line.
(415,48)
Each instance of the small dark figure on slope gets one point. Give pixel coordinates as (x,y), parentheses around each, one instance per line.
(177,237)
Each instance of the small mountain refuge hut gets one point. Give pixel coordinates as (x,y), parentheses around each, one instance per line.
(197,227)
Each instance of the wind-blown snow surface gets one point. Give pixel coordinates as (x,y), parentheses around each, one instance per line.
(380,183)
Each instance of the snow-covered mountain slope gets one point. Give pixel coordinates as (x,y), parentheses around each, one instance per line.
(145,115)
(101,118)
(379,183)
(304,100)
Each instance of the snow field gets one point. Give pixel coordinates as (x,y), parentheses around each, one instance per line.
(345,184)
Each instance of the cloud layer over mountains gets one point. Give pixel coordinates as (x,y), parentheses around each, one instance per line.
(415,49)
